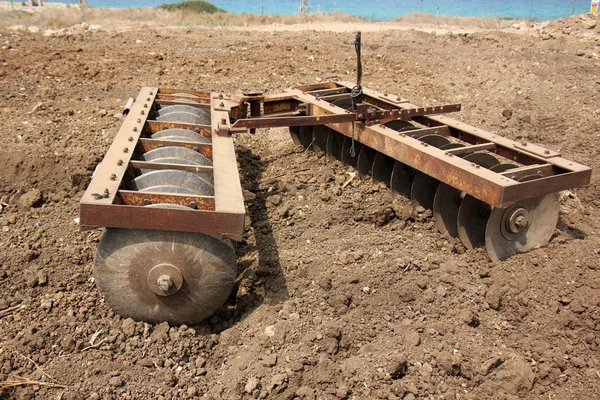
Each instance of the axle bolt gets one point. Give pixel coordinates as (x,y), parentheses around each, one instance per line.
(164,283)
(517,220)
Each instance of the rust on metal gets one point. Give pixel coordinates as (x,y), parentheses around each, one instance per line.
(205,149)
(135,198)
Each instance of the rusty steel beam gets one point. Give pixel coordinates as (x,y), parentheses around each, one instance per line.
(206,149)
(135,198)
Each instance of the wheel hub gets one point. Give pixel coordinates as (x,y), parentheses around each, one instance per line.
(165,279)
(517,220)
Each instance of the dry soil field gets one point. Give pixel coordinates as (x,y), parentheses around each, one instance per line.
(351,293)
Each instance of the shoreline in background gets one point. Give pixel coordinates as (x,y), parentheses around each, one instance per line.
(66,18)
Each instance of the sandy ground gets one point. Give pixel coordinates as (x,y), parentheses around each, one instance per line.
(351,293)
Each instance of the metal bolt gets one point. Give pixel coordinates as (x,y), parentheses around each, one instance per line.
(145,105)
(130,138)
(120,162)
(151,93)
(546,151)
(106,192)
(221,104)
(196,148)
(221,96)
(385,94)
(398,98)
(113,177)
(126,150)
(145,202)
(135,128)
(192,204)
(223,121)
(164,283)
(520,221)
(139,120)
(142,112)
(524,143)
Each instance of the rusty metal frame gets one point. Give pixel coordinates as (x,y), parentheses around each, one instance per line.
(107,204)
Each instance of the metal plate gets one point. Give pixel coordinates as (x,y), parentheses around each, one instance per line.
(423,190)
(171,177)
(402,179)
(364,164)
(180,134)
(382,168)
(335,142)
(473,216)
(126,258)
(319,139)
(181,117)
(178,155)
(446,204)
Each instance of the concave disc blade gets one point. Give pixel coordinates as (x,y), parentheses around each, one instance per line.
(485,160)
(184,134)
(473,216)
(347,156)
(295,135)
(305,134)
(200,112)
(182,117)
(203,267)
(435,140)
(503,167)
(400,125)
(320,133)
(423,190)
(505,237)
(171,177)
(402,178)
(364,164)
(382,168)
(177,153)
(446,204)
(335,141)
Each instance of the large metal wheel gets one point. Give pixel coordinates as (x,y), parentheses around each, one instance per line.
(158,276)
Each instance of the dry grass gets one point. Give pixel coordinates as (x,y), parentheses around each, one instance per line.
(128,19)
(463,22)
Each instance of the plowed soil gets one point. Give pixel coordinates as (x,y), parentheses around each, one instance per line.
(348,292)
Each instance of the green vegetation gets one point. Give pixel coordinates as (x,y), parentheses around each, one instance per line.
(198,6)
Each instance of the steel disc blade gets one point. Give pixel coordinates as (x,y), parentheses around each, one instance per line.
(446,204)
(305,135)
(295,135)
(181,117)
(400,125)
(171,177)
(335,141)
(485,160)
(347,155)
(319,139)
(402,178)
(382,168)
(200,112)
(184,134)
(473,216)
(423,190)
(364,164)
(202,266)
(176,153)
(503,167)
(435,140)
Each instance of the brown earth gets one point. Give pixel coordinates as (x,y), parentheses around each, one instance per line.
(349,291)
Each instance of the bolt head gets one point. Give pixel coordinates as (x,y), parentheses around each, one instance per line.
(164,283)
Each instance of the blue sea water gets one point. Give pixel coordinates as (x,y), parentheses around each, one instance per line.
(383,10)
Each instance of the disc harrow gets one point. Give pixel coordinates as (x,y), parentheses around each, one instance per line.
(168,191)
